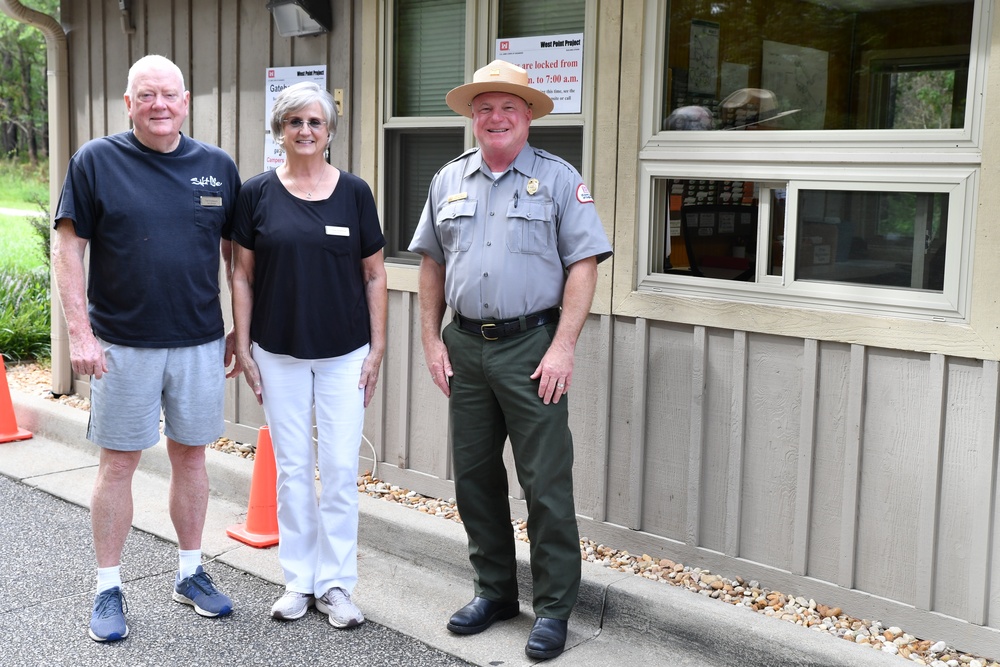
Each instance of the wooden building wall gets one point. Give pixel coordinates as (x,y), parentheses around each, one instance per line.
(861,476)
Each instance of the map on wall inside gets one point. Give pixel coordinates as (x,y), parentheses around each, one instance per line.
(703,59)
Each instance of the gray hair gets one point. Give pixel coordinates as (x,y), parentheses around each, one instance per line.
(151,62)
(297,96)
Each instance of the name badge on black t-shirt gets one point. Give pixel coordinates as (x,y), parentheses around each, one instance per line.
(211,201)
(332,230)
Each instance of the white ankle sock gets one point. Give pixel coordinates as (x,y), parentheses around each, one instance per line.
(188,561)
(109,577)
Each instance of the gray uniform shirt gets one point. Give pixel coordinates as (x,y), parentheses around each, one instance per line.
(506,242)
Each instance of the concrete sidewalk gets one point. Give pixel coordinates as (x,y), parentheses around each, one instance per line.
(414,570)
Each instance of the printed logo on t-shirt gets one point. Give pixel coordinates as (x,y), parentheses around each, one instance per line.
(583,194)
(206,180)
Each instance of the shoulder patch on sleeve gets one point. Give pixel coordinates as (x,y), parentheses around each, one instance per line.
(583,194)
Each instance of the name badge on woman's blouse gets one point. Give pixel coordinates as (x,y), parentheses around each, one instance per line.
(332,230)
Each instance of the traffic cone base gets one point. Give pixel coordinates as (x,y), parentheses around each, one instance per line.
(19,434)
(9,430)
(239,532)
(261,527)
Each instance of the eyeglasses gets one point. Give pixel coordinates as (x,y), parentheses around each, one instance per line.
(147,97)
(297,123)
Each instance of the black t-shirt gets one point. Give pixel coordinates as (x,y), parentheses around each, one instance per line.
(154,221)
(309,296)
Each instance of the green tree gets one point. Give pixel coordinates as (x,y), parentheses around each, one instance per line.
(23,85)
(924,99)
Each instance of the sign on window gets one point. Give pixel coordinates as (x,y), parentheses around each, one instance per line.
(276,79)
(554,64)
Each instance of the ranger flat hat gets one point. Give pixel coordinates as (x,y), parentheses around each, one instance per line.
(499,76)
(748,107)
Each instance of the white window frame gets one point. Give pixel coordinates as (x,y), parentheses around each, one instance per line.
(952,304)
(943,160)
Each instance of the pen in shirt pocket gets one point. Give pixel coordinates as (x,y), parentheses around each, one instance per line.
(515,198)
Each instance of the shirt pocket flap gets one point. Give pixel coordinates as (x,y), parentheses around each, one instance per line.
(463,208)
(530,210)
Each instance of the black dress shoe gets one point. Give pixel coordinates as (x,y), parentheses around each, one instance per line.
(547,638)
(480,614)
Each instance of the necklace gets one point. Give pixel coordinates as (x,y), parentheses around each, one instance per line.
(309,193)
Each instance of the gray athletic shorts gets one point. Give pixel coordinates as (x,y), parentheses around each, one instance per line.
(186,384)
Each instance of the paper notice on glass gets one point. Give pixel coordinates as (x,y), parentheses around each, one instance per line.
(554,64)
(276,79)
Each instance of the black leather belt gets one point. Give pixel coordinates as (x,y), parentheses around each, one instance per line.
(496,329)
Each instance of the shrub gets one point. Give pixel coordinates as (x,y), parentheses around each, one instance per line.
(25,314)
(43,230)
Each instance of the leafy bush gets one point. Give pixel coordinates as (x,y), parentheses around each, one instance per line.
(25,314)
(43,230)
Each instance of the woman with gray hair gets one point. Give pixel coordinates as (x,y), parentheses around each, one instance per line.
(309,312)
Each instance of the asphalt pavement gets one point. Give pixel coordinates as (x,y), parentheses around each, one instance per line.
(413,569)
(48,588)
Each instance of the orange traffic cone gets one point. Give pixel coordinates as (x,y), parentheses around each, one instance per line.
(261,527)
(8,420)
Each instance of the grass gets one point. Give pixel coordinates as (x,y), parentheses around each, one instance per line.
(20,247)
(21,184)
(25,310)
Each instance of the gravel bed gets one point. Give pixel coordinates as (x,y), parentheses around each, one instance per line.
(36,379)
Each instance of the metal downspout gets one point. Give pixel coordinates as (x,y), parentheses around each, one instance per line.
(59,154)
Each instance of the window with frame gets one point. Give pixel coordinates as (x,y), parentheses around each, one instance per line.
(807,65)
(858,196)
(429,42)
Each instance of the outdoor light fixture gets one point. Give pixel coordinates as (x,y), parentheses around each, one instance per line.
(124,6)
(295,18)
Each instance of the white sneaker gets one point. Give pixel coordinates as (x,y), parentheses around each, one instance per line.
(337,604)
(291,605)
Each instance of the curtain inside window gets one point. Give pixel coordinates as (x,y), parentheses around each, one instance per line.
(420,154)
(429,55)
(524,18)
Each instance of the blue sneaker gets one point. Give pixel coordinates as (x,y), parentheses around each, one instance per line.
(200,592)
(107,622)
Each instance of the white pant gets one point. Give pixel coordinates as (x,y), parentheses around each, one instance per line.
(318,543)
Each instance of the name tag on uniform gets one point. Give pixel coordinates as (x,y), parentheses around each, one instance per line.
(211,201)
(460,195)
(332,230)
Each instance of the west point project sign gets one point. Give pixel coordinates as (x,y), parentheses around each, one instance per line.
(554,64)
(276,79)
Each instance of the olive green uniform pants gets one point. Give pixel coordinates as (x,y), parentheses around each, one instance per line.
(493,396)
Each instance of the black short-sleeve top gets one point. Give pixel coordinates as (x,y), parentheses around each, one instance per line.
(309,294)
(154,221)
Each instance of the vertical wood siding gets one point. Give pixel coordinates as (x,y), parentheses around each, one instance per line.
(863,477)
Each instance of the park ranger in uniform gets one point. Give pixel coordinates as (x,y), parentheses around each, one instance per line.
(510,241)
